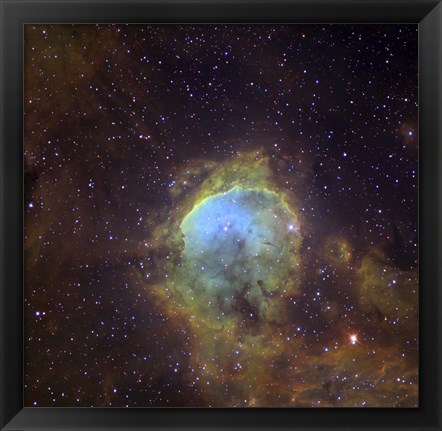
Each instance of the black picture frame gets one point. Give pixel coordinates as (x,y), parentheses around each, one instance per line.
(14,13)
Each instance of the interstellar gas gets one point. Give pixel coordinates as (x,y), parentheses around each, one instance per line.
(227,263)
(240,255)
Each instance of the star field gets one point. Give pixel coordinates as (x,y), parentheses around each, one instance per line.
(221,215)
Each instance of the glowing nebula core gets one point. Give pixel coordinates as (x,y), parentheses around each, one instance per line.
(239,246)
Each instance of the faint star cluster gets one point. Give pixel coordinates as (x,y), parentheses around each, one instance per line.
(221,215)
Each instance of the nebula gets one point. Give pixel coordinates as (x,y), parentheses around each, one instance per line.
(239,246)
(232,259)
(221,216)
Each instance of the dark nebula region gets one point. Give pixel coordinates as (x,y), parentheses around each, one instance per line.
(221,215)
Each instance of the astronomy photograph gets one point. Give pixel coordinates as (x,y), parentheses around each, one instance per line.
(221,215)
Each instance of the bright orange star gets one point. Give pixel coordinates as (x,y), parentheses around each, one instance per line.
(354,339)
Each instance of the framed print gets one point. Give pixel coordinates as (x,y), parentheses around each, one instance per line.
(221,215)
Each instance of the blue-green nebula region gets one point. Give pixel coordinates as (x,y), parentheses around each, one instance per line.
(240,250)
